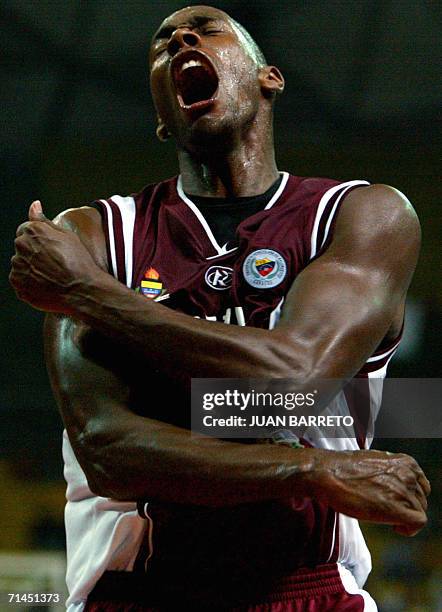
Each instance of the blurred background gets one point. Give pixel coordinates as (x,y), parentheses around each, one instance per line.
(362,101)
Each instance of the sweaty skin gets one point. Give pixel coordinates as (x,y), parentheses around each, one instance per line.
(338,311)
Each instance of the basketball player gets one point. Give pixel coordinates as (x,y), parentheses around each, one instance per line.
(312,276)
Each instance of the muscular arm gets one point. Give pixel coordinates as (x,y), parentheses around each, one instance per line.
(128,457)
(118,449)
(337,312)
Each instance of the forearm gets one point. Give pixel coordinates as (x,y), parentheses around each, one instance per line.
(154,461)
(130,457)
(141,458)
(177,344)
(127,456)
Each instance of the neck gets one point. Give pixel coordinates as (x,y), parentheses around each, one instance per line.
(246,169)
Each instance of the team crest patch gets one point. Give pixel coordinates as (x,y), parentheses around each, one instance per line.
(219,277)
(151,286)
(264,269)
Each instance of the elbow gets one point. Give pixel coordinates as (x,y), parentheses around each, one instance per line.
(101,463)
(103,484)
(103,487)
(98,485)
(106,483)
(287,359)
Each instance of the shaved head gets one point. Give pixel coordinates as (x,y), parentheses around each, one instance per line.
(244,36)
(249,43)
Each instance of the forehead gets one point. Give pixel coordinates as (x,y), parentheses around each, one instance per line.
(193,16)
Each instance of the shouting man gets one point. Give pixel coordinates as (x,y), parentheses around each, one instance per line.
(312,276)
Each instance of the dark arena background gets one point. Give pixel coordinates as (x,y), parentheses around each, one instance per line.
(362,101)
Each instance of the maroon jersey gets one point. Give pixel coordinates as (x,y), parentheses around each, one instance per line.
(160,245)
(160,238)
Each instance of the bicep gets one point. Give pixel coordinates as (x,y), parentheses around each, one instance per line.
(87,380)
(339,315)
(342,305)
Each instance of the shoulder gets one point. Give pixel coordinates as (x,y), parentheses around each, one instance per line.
(377,234)
(379,199)
(87,223)
(379,213)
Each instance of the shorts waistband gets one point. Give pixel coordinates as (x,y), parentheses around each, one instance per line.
(154,590)
(307,582)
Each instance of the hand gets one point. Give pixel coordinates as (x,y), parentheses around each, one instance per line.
(49,264)
(376,486)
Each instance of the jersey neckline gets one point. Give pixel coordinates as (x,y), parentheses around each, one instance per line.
(223,250)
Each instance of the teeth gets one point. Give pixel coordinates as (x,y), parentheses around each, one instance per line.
(190,64)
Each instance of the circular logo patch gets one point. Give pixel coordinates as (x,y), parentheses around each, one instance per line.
(219,277)
(264,269)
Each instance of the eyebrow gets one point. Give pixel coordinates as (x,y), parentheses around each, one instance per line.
(196,21)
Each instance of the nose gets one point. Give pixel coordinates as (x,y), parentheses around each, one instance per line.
(182,38)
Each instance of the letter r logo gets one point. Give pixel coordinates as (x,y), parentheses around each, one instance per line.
(219,277)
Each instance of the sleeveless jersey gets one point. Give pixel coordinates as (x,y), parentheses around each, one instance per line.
(160,245)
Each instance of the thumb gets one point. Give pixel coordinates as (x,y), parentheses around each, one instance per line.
(36,212)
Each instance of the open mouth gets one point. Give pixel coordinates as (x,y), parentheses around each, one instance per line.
(196,81)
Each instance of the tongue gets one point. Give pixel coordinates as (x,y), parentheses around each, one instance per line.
(196,84)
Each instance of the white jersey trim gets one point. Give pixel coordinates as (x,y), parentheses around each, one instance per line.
(352,588)
(127,210)
(383,355)
(275,198)
(353,551)
(101,533)
(275,315)
(334,538)
(382,372)
(321,208)
(110,228)
(221,250)
(332,214)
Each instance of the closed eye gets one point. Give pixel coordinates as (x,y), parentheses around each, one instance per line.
(159,49)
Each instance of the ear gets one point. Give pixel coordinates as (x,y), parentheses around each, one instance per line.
(163,133)
(271,80)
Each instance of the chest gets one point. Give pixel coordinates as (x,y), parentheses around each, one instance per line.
(244,282)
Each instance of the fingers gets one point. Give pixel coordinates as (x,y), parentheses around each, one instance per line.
(425,484)
(422,479)
(411,510)
(21,229)
(412,491)
(422,498)
(22,245)
(402,493)
(418,482)
(393,490)
(406,515)
(28,227)
(413,475)
(37,227)
(417,485)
